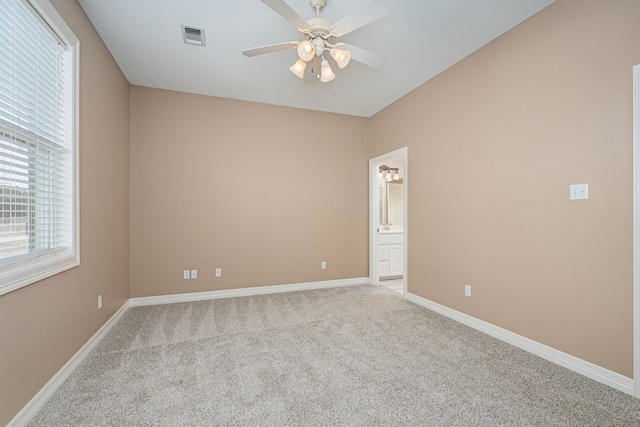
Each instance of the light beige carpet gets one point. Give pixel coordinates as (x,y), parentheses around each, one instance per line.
(347,356)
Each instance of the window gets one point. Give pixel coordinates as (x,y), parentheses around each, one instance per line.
(38,144)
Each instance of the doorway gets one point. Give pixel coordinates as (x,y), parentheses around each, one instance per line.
(388,219)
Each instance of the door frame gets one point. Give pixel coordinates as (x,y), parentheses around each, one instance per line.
(374,217)
(636,230)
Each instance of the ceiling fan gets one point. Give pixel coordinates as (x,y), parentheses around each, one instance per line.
(319,35)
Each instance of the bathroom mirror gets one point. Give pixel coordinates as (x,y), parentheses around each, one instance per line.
(391,197)
(395,202)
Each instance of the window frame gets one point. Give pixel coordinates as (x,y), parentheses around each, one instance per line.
(25,270)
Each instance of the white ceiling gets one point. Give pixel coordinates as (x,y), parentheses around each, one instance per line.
(420,39)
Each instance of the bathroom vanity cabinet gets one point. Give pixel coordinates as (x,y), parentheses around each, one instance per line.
(390,255)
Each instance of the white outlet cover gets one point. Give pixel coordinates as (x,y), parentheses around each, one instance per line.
(218,272)
(194,274)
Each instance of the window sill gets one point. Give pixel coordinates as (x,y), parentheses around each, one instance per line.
(36,268)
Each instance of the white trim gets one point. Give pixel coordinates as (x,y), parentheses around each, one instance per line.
(52,19)
(374,219)
(636,230)
(595,372)
(405,226)
(31,409)
(243,292)
(35,268)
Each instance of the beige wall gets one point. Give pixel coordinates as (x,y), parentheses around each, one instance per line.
(43,325)
(494,143)
(265,193)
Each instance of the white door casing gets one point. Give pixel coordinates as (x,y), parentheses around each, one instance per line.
(374,214)
(636,230)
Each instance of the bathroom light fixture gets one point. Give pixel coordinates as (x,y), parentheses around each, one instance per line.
(389,174)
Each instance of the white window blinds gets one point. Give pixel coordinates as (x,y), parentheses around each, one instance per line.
(36,131)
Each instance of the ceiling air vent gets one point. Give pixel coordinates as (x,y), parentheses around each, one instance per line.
(193,35)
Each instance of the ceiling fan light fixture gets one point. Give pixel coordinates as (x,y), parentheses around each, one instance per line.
(298,68)
(342,57)
(318,45)
(306,50)
(319,34)
(326,73)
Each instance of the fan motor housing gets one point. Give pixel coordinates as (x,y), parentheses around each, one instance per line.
(319,26)
(318,4)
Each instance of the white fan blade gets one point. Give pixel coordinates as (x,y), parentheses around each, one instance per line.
(364,56)
(367,14)
(284,10)
(268,49)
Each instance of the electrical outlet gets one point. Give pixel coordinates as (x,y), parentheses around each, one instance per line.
(194,274)
(467,290)
(218,272)
(186,275)
(99,302)
(323,265)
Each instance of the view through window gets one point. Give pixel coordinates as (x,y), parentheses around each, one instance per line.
(37,139)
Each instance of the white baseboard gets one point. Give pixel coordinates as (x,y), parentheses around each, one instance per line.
(31,409)
(595,372)
(243,292)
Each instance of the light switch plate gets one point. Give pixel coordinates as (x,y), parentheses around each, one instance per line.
(194,274)
(578,191)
